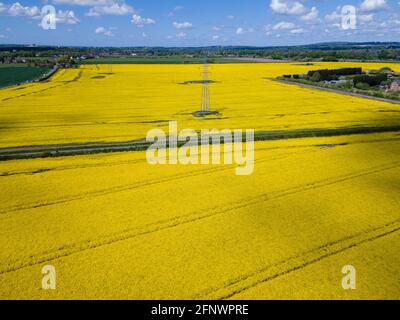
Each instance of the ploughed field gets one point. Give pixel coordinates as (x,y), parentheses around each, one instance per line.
(115,227)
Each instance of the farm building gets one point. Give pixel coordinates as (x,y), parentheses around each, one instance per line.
(395,86)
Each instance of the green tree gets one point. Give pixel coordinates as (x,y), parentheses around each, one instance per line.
(316,77)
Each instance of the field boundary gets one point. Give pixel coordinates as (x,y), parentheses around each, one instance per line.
(45,151)
(342,92)
(42,78)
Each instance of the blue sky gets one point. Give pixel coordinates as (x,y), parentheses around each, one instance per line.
(197,22)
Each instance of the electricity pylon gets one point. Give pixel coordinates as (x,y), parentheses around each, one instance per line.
(205,97)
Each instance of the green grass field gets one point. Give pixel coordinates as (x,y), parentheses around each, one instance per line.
(14,65)
(14,74)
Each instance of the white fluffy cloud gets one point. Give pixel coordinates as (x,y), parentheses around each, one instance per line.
(183,25)
(174,11)
(334,17)
(141,22)
(114,9)
(373,5)
(181,35)
(241,30)
(90,3)
(366,18)
(63,17)
(100,7)
(312,16)
(18,10)
(66,17)
(283,25)
(297,31)
(104,31)
(287,7)
(3,7)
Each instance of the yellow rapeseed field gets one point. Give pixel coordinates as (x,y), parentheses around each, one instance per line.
(116,227)
(89,104)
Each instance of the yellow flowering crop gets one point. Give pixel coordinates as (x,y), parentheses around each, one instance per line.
(89,104)
(114,226)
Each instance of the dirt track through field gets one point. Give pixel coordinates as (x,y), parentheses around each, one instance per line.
(31,152)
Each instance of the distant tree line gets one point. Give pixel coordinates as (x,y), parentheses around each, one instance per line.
(371,80)
(327,75)
(319,52)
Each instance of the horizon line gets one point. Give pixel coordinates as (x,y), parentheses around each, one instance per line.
(32,45)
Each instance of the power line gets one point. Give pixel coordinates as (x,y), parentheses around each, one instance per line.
(205,97)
